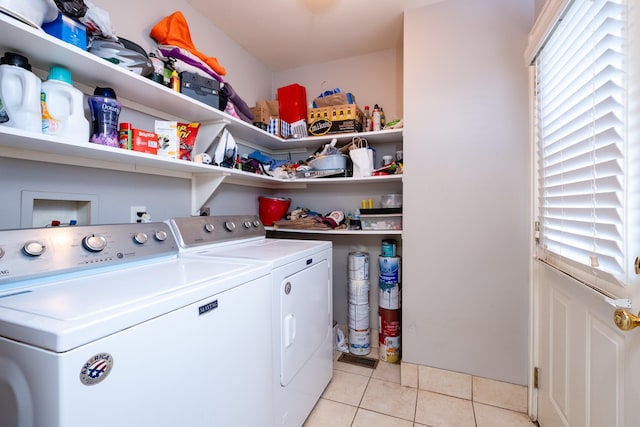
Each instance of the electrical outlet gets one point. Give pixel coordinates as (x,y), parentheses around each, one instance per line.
(139,214)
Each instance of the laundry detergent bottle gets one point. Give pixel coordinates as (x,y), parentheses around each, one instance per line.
(19,94)
(62,107)
(105,111)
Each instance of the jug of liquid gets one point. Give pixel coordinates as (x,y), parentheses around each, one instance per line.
(19,94)
(63,107)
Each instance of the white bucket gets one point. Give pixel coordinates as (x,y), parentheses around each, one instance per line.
(19,95)
(359,342)
(389,297)
(358,266)
(359,316)
(358,292)
(63,107)
(389,270)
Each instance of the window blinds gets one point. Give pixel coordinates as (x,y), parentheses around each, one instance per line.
(580,124)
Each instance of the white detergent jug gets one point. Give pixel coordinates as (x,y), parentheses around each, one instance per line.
(63,107)
(19,94)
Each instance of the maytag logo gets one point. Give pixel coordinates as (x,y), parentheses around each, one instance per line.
(4,272)
(207,307)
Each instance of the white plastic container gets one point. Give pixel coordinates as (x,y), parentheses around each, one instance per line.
(63,107)
(358,292)
(359,316)
(32,12)
(359,342)
(19,94)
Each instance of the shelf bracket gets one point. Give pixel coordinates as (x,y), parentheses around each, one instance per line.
(202,188)
(207,133)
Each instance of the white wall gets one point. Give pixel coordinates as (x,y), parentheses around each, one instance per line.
(373,79)
(466,187)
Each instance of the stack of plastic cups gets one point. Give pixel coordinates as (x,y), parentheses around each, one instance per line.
(389,303)
(358,276)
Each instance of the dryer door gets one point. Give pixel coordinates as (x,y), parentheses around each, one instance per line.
(304,317)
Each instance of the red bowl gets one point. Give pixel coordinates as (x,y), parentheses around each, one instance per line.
(272,209)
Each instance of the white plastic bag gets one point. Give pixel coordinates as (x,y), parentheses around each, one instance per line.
(340,343)
(362,157)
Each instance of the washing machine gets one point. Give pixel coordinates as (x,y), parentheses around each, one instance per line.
(106,325)
(301,294)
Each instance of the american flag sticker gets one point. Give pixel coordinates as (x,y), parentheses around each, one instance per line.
(96,369)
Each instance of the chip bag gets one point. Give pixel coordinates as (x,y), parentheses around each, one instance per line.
(187,133)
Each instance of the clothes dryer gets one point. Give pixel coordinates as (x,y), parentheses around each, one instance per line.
(301,294)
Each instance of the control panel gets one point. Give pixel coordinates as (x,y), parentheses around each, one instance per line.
(205,230)
(34,252)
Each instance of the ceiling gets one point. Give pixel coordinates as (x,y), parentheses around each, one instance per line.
(285,34)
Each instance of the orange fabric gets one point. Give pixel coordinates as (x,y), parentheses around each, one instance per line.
(173,30)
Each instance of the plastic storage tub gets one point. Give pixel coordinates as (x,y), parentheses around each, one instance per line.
(381,219)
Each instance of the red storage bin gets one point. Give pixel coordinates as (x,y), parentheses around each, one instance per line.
(292,103)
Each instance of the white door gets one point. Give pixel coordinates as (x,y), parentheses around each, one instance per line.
(588,369)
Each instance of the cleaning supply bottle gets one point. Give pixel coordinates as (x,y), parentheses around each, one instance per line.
(19,94)
(382,119)
(376,118)
(62,111)
(105,110)
(367,119)
(175,81)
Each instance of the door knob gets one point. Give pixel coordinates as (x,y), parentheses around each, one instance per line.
(625,320)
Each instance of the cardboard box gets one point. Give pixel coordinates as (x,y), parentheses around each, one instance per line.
(344,118)
(168,141)
(264,111)
(68,30)
(144,141)
(266,116)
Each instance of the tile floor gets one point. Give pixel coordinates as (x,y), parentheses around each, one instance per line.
(363,397)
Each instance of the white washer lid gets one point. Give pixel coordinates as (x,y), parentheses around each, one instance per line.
(276,251)
(64,314)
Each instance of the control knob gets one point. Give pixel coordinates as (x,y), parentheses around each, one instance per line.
(94,243)
(208,227)
(256,223)
(140,238)
(247,224)
(1,252)
(230,225)
(33,248)
(161,235)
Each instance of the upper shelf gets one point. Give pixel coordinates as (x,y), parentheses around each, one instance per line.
(17,143)
(43,50)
